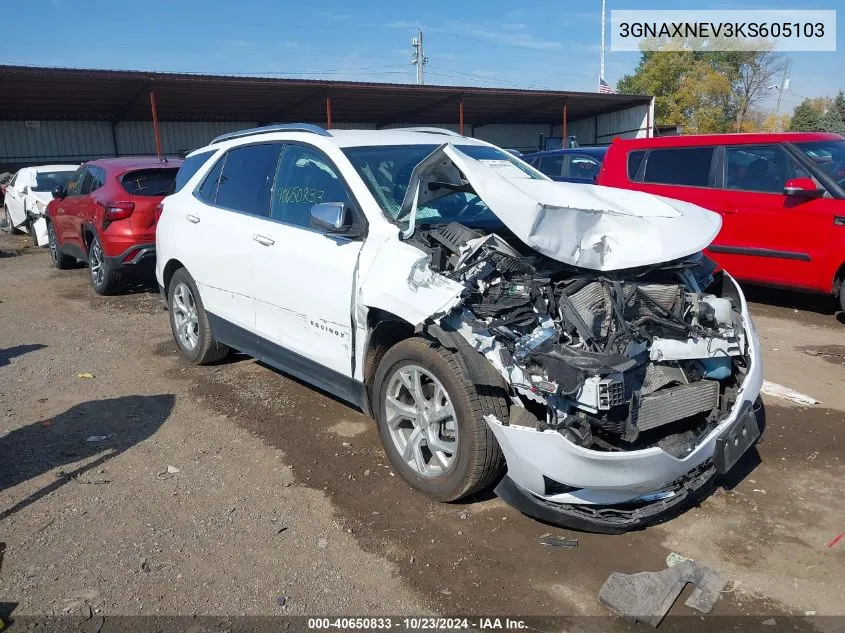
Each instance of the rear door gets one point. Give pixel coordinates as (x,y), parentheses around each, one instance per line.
(146,188)
(766,236)
(219,243)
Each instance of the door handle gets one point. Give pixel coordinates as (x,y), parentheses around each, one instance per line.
(263,240)
(192,218)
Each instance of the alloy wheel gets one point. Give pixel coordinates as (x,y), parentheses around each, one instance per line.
(97,264)
(422,421)
(185,316)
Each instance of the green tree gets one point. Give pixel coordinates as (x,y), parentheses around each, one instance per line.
(839,104)
(804,118)
(831,121)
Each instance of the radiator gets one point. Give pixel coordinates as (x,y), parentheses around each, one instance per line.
(676,403)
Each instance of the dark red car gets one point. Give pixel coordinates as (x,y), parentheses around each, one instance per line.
(781,198)
(107,216)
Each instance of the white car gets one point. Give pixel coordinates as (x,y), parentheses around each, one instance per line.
(572,337)
(27,196)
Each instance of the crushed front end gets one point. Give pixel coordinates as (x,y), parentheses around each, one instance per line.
(630,388)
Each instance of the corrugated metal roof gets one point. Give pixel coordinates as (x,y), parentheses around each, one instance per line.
(63,93)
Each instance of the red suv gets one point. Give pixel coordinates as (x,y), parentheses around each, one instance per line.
(107,215)
(781,198)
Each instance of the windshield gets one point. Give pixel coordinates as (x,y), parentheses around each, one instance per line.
(49,180)
(386,170)
(829,155)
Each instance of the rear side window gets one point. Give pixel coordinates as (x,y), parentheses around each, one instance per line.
(149,182)
(247,178)
(208,190)
(551,165)
(191,166)
(688,166)
(635,159)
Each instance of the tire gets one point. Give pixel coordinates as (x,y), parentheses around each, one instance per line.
(477,459)
(59,259)
(104,280)
(842,294)
(189,321)
(9,228)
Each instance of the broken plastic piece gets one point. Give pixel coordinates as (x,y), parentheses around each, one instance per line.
(648,596)
(779,391)
(558,541)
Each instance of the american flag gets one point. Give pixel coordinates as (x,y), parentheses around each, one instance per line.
(604,88)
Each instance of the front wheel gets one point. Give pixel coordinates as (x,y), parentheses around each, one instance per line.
(842,294)
(431,420)
(189,321)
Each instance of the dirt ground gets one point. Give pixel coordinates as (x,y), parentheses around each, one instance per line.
(134,483)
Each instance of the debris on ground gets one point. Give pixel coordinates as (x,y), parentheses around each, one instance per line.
(96,438)
(322,543)
(673,559)
(84,374)
(836,539)
(779,391)
(648,596)
(281,601)
(172,470)
(558,541)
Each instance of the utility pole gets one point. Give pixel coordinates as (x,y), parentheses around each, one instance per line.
(418,58)
(603,22)
(784,85)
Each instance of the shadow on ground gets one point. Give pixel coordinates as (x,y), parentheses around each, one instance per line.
(101,429)
(9,353)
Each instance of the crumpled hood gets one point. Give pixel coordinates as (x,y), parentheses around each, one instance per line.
(589,226)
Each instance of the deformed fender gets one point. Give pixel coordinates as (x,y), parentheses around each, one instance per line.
(474,364)
(400,281)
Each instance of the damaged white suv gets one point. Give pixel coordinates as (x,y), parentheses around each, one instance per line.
(569,342)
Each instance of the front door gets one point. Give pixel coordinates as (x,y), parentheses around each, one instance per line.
(304,279)
(766,236)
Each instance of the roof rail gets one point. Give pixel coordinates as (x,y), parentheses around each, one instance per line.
(430,130)
(276,127)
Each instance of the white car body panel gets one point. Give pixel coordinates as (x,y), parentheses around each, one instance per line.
(588,226)
(22,201)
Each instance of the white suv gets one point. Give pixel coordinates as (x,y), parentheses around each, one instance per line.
(490,319)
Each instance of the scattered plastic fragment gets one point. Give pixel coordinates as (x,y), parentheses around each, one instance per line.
(84,374)
(558,541)
(673,559)
(97,438)
(836,539)
(172,470)
(281,601)
(648,596)
(779,391)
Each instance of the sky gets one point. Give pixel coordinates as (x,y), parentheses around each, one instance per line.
(541,44)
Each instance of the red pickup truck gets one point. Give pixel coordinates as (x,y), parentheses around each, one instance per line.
(781,198)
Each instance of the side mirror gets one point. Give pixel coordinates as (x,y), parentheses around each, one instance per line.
(331,217)
(59,192)
(802,188)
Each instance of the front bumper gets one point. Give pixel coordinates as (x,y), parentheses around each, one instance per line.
(618,491)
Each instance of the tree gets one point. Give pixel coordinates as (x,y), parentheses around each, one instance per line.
(831,121)
(804,118)
(839,104)
(751,73)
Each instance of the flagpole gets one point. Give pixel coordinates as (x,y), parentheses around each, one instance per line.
(603,21)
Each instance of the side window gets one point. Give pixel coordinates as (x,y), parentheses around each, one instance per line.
(191,166)
(551,165)
(247,178)
(74,185)
(87,181)
(208,189)
(98,177)
(760,168)
(688,166)
(304,178)
(581,166)
(635,159)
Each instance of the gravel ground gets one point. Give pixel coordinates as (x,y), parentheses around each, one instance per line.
(219,490)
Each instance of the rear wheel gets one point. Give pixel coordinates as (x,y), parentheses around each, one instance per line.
(431,420)
(842,294)
(59,259)
(104,280)
(189,321)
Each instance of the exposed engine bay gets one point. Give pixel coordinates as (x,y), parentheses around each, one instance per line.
(616,360)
